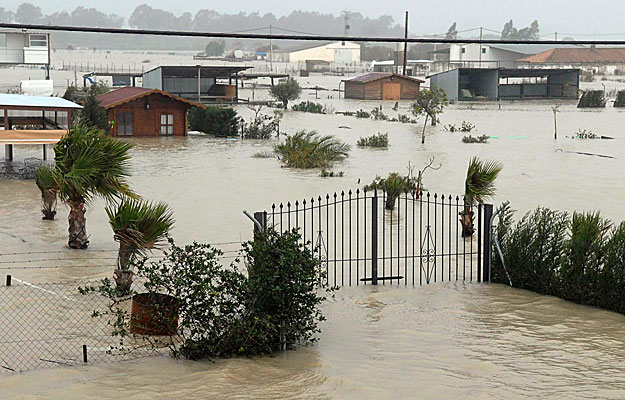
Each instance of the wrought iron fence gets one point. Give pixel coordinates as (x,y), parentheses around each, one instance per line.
(374,237)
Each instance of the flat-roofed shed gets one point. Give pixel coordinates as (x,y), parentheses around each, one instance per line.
(33,120)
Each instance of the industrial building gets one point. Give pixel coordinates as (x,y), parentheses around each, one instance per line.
(31,48)
(204,84)
(473,84)
(333,52)
(600,59)
(134,111)
(382,86)
(475,55)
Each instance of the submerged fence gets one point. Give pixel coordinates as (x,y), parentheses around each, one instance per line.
(374,237)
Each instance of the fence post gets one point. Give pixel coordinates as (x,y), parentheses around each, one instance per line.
(488,229)
(480,224)
(84,353)
(8,280)
(374,238)
(261,217)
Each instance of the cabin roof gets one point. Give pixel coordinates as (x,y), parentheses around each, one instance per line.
(374,76)
(126,94)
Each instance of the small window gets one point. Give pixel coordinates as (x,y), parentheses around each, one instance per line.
(167,124)
(483,50)
(125,124)
(464,50)
(38,40)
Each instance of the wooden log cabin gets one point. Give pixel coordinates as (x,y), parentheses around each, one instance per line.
(382,86)
(135,111)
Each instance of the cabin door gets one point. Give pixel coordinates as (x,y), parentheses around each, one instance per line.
(391,91)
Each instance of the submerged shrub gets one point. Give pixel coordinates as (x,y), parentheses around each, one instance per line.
(379,140)
(584,134)
(214,120)
(578,257)
(310,107)
(592,99)
(478,139)
(464,127)
(264,154)
(620,99)
(308,149)
(393,186)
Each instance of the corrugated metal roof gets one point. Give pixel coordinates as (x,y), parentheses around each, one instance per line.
(374,76)
(207,71)
(306,46)
(584,55)
(19,100)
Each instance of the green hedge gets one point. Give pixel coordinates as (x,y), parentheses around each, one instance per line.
(592,99)
(577,257)
(620,99)
(214,120)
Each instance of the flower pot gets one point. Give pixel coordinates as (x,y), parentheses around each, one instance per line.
(154,314)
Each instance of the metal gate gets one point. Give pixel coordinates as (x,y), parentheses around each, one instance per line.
(374,237)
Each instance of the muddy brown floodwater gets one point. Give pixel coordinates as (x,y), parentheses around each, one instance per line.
(440,341)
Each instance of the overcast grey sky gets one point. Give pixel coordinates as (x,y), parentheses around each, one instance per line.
(431,16)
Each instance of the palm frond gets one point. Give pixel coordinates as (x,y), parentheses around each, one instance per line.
(480,181)
(44,179)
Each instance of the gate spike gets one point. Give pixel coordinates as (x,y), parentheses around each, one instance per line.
(350,192)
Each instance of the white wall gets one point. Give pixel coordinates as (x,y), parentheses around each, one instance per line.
(341,52)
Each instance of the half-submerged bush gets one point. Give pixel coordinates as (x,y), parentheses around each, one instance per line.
(379,140)
(393,186)
(477,139)
(578,257)
(223,312)
(310,107)
(620,99)
(214,120)
(464,127)
(592,99)
(308,149)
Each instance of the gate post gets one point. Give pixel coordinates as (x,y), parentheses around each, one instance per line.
(374,238)
(488,231)
(261,218)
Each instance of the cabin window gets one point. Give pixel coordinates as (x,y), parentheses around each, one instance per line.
(38,40)
(125,124)
(464,50)
(483,50)
(167,124)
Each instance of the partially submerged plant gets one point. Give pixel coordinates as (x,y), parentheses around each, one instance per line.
(310,107)
(393,186)
(331,174)
(138,226)
(478,139)
(264,154)
(464,127)
(285,91)
(262,126)
(429,103)
(378,115)
(584,134)
(308,149)
(380,140)
(479,186)
(592,99)
(44,179)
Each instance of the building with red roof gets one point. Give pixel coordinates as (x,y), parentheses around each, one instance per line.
(136,111)
(607,59)
(382,86)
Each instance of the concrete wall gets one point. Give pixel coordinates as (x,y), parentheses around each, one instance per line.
(332,52)
(153,79)
(448,81)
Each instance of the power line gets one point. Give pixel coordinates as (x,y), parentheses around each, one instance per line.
(300,37)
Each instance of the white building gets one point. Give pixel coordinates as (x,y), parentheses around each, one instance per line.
(24,48)
(334,52)
(474,55)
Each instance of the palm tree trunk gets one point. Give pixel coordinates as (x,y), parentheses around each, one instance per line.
(466,220)
(48,200)
(78,238)
(123,274)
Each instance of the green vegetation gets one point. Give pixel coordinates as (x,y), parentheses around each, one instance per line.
(310,107)
(620,99)
(44,179)
(92,114)
(264,154)
(586,76)
(579,257)
(394,185)
(586,134)
(286,91)
(464,127)
(262,126)
(214,120)
(378,115)
(429,103)
(223,312)
(478,139)
(380,140)
(592,99)
(215,48)
(139,227)
(89,164)
(479,186)
(331,174)
(308,149)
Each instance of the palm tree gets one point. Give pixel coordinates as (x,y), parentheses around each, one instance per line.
(308,149)
(479,185)
(89,164)
(139,227)
(44,179)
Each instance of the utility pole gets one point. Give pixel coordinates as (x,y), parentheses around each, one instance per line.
(480,47)
(405,44)
(270,48)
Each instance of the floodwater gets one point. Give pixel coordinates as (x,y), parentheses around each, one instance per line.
(440,341)
(437,341)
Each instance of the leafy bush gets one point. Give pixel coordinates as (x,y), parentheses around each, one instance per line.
(586,76)
(307,149)
(379,140)
(262,126)
(378,115)
(214,120)
(405,119)
(285,91)
(331,174)
(478,139)
(578,257)
(465,127)
(620,99)
(592,99)
(221,311)
(264,154)
(362,114)
(584,134)
(310,107)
